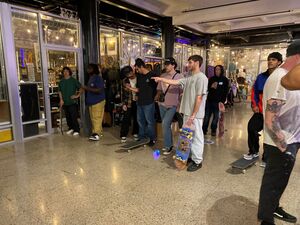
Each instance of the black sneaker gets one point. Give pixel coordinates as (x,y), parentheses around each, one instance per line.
(283,215)
(151,143)
(213,133)
(194,166)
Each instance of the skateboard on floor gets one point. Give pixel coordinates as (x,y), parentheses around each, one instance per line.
(135,144)
(183,147)
(243,164)
(221,120)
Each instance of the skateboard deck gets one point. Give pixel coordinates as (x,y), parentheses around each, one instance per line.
(135,144)
(242,164)
(183,147)
(60,121)
(221,120)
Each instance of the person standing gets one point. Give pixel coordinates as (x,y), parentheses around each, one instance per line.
(218,87)
(129,104)
(281,110)
(69,92)
(256,122)
(193,106)
(95,100)
(146,91)
(168,99)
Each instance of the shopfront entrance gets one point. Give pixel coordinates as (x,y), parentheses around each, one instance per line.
(36,46)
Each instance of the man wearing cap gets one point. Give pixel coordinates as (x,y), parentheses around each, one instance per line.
(145,91)
(192,106)
(168,99)
(281,109)
(256,123)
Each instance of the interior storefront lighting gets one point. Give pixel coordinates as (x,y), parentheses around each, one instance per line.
(28,31)
(57,38)
(71,39)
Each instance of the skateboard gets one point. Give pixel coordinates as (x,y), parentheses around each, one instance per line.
(183,147)
(135,144)
(221,120)
(60,121)
(243,164)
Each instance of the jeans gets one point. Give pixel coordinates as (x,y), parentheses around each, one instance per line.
(198,140)
(167,115)
(146,121)
(211,108)
(255,125)
(129,115)
(278,169)
(71,112)
(96,115)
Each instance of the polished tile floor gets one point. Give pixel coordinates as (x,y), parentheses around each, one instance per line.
(66,180)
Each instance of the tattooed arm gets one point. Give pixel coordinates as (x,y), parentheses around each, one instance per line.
(272,123)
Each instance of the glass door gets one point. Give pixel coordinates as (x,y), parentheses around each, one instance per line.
(56,61)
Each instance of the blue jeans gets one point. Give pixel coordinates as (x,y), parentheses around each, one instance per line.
(211,108)
(167,115)
(146,121)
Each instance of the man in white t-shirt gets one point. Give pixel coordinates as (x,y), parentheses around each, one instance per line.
(281,139)
(193,106)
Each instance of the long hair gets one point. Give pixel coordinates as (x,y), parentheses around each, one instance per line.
(222,70)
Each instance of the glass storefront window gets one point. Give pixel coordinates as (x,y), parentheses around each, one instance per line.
(151,47)
(178,55)
(5,117)
(60,32)
(109,48)
(31,88)
(131,48)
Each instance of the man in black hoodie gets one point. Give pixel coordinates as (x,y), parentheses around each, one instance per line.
(217,92)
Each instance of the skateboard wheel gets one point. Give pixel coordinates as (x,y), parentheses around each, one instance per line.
(174,157)
(244,171)
(128,151)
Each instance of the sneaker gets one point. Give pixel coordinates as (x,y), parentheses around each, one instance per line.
(248,156)
(213,133)
(70,131)
(194,166)
(123,140)
(263,165)
(167,151)
(76,133)
(136,137)
(282,215)
(94,137)
(151,143)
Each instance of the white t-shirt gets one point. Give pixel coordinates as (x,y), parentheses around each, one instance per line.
(289,116)
(133,84)
(194,85)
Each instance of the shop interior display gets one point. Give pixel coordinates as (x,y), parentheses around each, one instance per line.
(151,47)
(131,48)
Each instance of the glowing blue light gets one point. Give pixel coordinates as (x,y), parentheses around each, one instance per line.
(156,154)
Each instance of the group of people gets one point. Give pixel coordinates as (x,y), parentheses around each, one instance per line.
(276,111)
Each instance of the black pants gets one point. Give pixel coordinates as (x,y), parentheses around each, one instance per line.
(129,115)
(211,108)
(276,176)
(255,125)
(71,112)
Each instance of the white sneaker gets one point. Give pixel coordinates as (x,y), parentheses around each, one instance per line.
(136,137)
(263,165)
(123,140)
(94,137)
(70,131)
(248,156)
(76,133)
(255,155)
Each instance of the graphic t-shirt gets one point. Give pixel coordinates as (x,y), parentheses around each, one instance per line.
(289,116)
(194,85)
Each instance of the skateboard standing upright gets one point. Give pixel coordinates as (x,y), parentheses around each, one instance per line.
(60,120)
(221,119)
(135,144)
(183,147)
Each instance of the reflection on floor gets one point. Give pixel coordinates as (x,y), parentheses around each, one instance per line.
(66,180)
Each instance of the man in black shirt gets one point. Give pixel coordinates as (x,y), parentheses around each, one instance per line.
(218,87)
(146,91)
